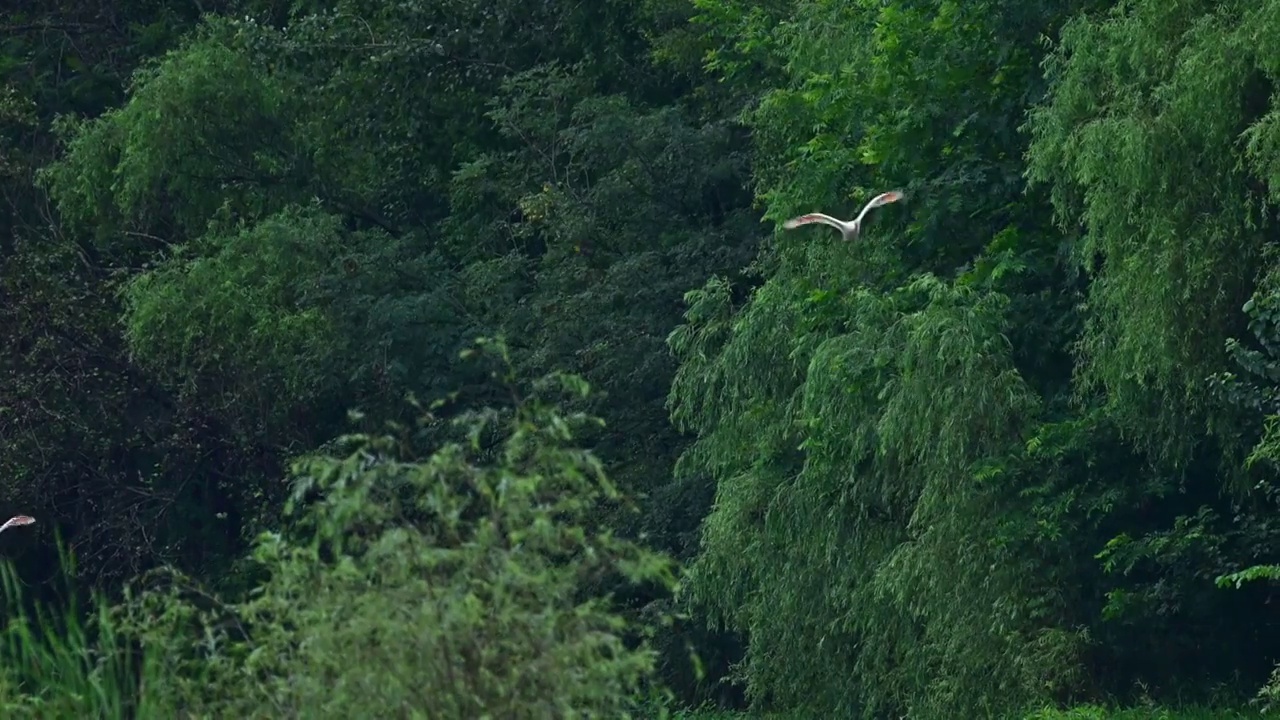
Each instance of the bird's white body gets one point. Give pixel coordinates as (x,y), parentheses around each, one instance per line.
(849,229)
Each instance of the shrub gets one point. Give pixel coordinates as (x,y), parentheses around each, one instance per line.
(450,586)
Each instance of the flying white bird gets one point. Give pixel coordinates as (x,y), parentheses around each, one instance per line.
(16,521)
(848,229)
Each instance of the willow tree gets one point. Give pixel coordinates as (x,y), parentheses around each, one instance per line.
(865,412)
(1159,147)
(965,463)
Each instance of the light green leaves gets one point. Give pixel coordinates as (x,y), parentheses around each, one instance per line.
(1145,146)
(184,134)
(247,311)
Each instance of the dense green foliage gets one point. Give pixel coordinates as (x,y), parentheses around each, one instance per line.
(485,563)
(1014,450)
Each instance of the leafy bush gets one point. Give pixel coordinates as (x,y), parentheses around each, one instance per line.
(450,586)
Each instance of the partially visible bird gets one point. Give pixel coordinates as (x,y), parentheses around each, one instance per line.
(16,521)
(849,229)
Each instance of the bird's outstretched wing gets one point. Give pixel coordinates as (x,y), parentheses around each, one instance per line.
(884,198)
(16,521)
(812,218)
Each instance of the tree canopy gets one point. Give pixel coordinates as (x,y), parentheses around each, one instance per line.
(1014,447)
